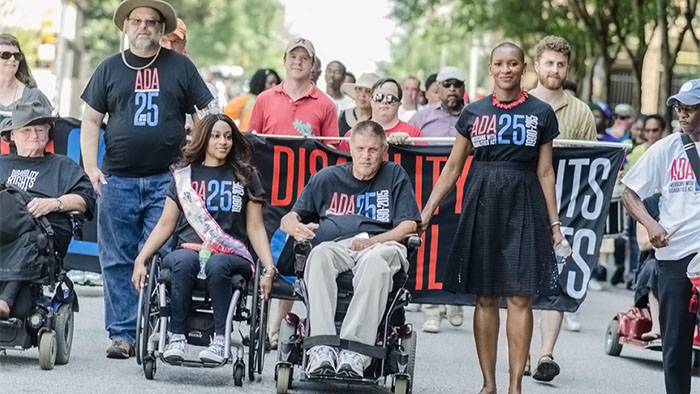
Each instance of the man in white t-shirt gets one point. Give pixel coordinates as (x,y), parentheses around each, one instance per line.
(335,77)
(666,167)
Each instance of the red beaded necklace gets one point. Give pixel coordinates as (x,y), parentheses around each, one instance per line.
(497,103)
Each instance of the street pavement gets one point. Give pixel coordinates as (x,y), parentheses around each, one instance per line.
(446,362)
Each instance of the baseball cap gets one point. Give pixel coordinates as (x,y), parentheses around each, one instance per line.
(625,110)
(300,42)
(450,72)
(181,29)
(688,94)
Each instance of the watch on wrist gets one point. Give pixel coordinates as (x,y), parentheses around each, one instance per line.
(267,272)
(60,204)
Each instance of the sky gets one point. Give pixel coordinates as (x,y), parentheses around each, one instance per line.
(355,32)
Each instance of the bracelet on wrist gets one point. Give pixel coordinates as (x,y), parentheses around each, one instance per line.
(60,205)
(555,224)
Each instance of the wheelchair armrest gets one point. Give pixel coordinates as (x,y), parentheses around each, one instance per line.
(77,218)
(301,252)
(412,243)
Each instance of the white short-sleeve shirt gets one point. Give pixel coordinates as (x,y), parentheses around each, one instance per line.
(665,167)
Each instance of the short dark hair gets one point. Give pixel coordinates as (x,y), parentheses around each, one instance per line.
(554,44)
(351,75)
(371,128)
(509,45)
(338,62)
(381,83)
(258,80)
(658,118)
(432,78)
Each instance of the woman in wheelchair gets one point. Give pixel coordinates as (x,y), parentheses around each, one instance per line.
(215,201)
(56,186)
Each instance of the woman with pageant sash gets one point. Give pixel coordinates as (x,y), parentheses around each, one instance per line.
(504,244)
(215,201)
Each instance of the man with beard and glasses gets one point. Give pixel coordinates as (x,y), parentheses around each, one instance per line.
(147,91)
(439,120)
(576,122)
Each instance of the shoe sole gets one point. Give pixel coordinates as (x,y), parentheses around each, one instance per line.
(174,358)
(208,359)
(348,372)
(546,371)
(119,354)
(325,370)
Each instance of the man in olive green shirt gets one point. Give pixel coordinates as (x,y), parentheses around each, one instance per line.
(576,122)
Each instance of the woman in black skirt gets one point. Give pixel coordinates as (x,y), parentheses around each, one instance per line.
(509,222)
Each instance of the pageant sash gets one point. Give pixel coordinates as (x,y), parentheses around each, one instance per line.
(201,221)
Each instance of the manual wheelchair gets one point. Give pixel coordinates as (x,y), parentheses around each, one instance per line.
(154,311)
(393,355)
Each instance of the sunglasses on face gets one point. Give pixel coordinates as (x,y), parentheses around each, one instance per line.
(150,23)
(623,117)
(452,82)
(7,55)
(688,109)
(385,98)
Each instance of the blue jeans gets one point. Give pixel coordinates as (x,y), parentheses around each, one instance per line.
(129,208)
(184,265)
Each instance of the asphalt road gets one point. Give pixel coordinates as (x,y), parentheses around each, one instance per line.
(446,363)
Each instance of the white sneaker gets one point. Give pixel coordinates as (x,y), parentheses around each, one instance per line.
(322,361)
(571,322)
(352,365)
(431,326)
(93,279)
(594,285)
(215,352)
(175,351)
(455,315)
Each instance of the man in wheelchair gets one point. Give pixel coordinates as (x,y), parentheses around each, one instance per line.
(54,186)
(355,215)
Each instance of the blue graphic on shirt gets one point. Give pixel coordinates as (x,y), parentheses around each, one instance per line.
(146,92)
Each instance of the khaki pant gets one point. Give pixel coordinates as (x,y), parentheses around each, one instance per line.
(374,269)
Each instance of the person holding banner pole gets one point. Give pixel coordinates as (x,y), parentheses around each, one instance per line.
(504,243)
(294,107)
(672,166)
(576,122)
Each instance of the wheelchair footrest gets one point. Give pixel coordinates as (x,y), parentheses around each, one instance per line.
(335,341)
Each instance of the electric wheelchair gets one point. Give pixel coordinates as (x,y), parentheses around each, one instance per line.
(154,311)
(393,356)
(42,314)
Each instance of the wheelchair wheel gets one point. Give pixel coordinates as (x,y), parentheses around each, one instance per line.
(64,333)
(148,314)
(258,329)
(47,350)
(238,373)
(284,378)
(401,386)
(287,331)
(613,347)
(149,367)
(409,345)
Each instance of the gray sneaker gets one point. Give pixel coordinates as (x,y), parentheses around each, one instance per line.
(215,352)
(322,361)
(175,351)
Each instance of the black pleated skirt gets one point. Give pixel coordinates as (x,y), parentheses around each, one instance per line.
(503,244)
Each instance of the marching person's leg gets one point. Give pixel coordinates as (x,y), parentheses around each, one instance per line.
(220,269)
(550,327)
(486,324)
(373,280)
(677,324)
(119,224)
(433,318)
(519,332)
(455,315)
(323,265)
(184,265)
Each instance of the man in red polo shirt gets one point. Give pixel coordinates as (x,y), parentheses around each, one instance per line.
(296,106)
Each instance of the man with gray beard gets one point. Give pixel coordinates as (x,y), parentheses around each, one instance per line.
(146,90)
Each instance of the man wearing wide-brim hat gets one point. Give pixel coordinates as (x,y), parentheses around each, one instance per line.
(672,165)
(147,91)
(26,115)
